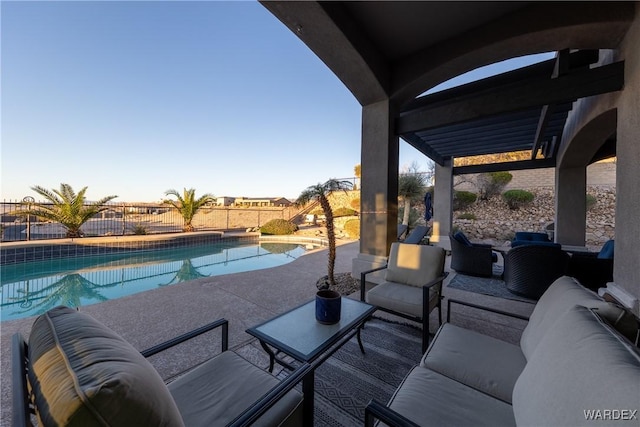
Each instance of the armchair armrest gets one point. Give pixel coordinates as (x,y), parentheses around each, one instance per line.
(481,307)
(184,337)
(22,408)
(268,400)
(435,281)
(363,281)
(376,410)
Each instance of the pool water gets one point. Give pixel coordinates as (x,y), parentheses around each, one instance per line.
(30,289)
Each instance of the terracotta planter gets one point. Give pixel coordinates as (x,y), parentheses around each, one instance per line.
(328,307)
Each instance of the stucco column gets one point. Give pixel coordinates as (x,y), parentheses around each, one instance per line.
(379,186)
(626,272)
(442,205)
(571,205)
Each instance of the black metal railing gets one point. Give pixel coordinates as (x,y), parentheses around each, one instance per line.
(121,219)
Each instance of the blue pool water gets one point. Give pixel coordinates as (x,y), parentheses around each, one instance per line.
(30,289)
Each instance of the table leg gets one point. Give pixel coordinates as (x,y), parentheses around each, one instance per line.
(360,339)
(272,356)
(309,396)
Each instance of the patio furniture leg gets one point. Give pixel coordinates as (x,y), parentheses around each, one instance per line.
(308,402)
(360,339)
(272,356)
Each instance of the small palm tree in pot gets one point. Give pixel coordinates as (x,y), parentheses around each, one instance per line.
(320,193)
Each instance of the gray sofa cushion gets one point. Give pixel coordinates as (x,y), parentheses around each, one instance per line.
(479,361)
(562,295)
(222,388)
(580,365)
(84,374)
(431,399)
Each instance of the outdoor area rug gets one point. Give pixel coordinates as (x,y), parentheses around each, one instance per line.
(493,286)
(348,380)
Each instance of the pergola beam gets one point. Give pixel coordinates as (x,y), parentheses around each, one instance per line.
(527,94)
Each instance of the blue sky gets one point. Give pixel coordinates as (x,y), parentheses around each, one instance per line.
(135,98)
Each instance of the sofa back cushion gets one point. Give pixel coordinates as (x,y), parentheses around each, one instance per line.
(581,372)
(84,374)
(607,250)
(562,295)
(532,236)
(460,237)
(414,265)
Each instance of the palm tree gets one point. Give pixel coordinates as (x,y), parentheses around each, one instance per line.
(66,207)
(187,205)
(411,186)
(320,193)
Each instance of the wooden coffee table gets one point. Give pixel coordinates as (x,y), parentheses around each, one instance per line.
(296,333)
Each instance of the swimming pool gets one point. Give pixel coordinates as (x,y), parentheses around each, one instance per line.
(32,288)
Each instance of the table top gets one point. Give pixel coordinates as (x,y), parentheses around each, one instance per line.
(298,334)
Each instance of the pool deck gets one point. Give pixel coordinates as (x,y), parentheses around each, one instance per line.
(245,299)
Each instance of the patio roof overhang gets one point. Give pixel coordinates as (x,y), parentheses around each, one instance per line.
(525,109)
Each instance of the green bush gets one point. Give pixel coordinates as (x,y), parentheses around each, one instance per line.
(278,227)
(492,183)
(466,215)
(517,198)
(343,212)
(317,212)
(352,228)
(463,199)
(591,201)
(139,229)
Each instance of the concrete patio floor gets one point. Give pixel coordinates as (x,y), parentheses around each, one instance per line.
(245,299)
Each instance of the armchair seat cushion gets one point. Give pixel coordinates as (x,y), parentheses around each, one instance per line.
(402,298)
(222,388)
(485,363)
(84,374)
(431,399)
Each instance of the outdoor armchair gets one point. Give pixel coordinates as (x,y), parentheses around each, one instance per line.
(412,286)
(530,269)
(74,371)
(474,259)
(593,269)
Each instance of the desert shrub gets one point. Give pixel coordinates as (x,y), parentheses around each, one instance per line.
(317,212)
(591,201)
(517,198)
(355,203)
(352,228)
(492,183)
(466,215)
(139,229)
(343,212)
(463,199)
(278,227)
(414,216)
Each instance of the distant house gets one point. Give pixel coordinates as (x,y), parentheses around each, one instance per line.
(225,201)
(262,202)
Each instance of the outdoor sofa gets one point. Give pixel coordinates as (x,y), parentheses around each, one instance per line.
(572,367)
(74,371)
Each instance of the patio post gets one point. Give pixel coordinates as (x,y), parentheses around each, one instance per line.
(443,204)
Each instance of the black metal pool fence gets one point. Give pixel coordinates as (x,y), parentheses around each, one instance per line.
(121,219)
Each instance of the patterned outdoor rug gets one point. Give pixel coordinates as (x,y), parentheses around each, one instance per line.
(348,379)
(493,286)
